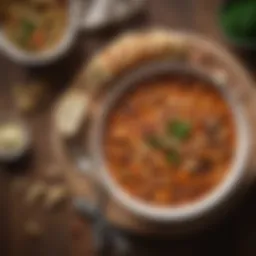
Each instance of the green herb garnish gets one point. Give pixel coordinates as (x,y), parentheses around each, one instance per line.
(26,30)
(179,129)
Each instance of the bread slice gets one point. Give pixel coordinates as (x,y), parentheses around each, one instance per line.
(70,112)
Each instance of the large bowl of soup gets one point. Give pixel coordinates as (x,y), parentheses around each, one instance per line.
(170,142)
(37,32)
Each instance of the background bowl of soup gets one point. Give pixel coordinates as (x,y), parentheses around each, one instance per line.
(37,32)
(170,143)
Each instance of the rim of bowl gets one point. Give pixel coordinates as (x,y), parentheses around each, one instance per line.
(210,200)
(53,53)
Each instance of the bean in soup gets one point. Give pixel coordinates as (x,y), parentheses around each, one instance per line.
(170,141)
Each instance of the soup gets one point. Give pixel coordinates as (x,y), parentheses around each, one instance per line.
(170,141)
(34,25)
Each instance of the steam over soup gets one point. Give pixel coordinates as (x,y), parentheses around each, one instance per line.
(34,25)
(170,140)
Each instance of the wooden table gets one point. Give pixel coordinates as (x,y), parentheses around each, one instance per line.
(65,233)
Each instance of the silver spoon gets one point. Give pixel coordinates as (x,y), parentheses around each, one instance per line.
(105,236)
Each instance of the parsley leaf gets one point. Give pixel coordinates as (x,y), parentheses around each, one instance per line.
(179,129)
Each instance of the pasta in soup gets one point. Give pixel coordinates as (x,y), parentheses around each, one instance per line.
(34,25)
(170,141)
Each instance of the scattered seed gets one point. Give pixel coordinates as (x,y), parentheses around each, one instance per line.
(33,228)
(36,192)
(28,96)
(56,195)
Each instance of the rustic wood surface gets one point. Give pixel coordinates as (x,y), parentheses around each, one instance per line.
(66,233)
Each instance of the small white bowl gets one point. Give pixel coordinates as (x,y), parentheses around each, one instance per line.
(203,207)
(17,153)
(52,54)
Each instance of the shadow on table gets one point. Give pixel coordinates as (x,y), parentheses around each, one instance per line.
(235,235)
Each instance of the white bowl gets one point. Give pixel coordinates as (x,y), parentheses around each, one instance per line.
(17,153)
(50,55)
(191,211)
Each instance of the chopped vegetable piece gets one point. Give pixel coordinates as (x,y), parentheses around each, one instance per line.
(170,143)
(154,142)
(173,157)
(38,38)
(179,129)
(27,29)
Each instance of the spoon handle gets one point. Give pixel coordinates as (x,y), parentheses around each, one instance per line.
(98,13)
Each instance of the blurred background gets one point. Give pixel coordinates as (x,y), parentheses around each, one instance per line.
(42,194)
